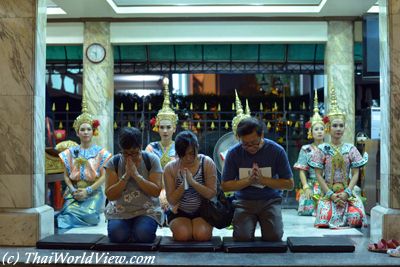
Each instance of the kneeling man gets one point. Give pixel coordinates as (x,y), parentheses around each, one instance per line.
(257,169)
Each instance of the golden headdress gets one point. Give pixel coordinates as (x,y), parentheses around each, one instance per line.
(315,119)
(334,111)
(85,117)
(166,112)
(240,115)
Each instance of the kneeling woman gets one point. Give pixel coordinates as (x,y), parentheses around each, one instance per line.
(199,173)
(133,184)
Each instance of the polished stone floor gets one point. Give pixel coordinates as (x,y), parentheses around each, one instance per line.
(294,226)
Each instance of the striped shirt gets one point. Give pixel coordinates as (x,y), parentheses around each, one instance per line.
(191,199)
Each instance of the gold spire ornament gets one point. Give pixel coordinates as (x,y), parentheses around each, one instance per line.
(53,107)
(121,107)
(315,119)
(85,117)
(135,107)
(240,115)
(261,106)
(247,112)
(60,125)
(67,107)
(334,111)
(166,112)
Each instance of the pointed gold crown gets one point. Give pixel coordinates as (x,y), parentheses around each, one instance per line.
(316,118)
(240,115)
(85,117)
(334,111)
(166,112)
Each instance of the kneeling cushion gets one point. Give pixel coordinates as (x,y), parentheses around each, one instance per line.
(69,241)
(104,244)
(258,245)
(169,244)
(320,244)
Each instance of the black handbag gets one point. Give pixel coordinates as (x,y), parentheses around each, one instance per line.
(217,211)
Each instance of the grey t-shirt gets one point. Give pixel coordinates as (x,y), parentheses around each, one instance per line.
(133,201)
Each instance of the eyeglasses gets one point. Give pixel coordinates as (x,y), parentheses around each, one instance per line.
(251,144)
(132,154)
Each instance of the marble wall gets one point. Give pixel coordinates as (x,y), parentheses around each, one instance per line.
(339,67)
(385,217)
(98,82)
(23,216)
(390,103)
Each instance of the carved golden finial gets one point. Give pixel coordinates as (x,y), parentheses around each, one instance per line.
(67,107)
(269,126)
(129,124)
(205,106)
(219,107)
(191,106)
(297,124)
(290,106)
(303,106)
(149,108)
(135,107)
(233,106)
(115,125)
(60,125)
(261,106)
(198,126)
(53,108)
(166,112)
(226,126)
(212,126)
(121,107)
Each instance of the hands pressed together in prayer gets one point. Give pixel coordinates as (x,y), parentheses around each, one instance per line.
(131,170)
(188,176)
(255,175)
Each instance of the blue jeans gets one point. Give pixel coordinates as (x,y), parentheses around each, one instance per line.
(141,229)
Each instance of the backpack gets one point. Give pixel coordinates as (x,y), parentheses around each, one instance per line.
(145,156)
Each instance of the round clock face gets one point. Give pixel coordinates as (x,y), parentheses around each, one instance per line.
(96,53)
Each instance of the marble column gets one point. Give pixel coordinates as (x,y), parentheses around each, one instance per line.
(98,82)
(385,217)
(24,218)
(339,67)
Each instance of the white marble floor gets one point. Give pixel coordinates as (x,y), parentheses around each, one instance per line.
(294,225)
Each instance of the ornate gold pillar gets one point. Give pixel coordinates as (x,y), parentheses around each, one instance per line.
(24,218)
(385,217)
(98,81)
(339,67)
